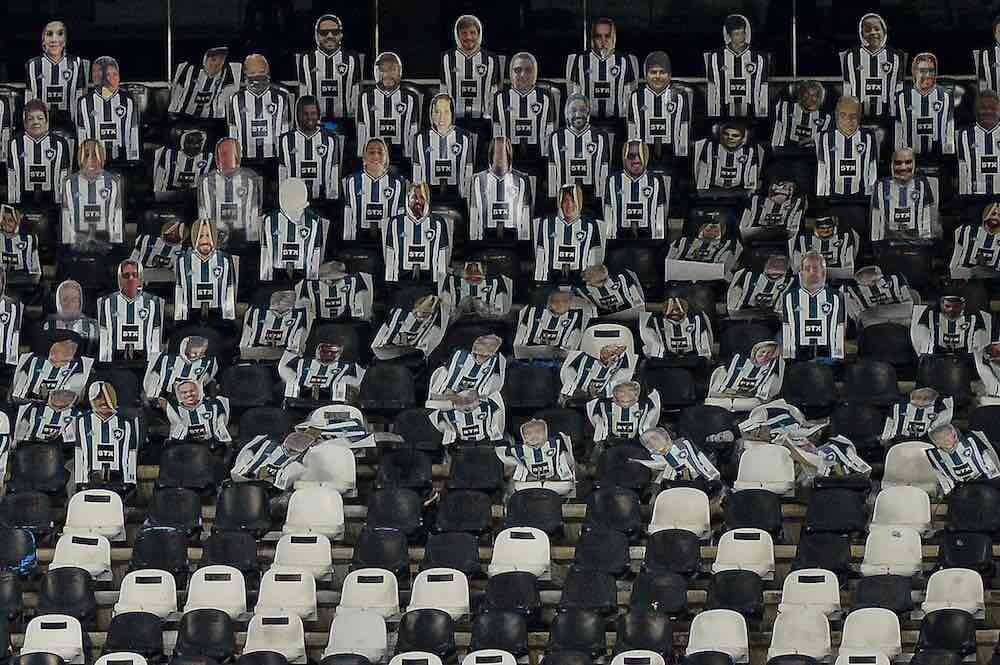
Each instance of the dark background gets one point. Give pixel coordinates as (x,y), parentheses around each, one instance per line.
(135,31)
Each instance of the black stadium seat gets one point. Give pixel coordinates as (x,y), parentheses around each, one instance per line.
(587,589)
(949,375)
(30,510)
(243,507)
(383,548)
(11,601)
(188,465)
(974,507)
(949,629)
(893,592)
(475,468)
(268,420)
(18,551)
(660,592)
(397,508)
(232,548)
(577,630)
(161,548)
(345,659)
(500,629)
(177,508)
(262,658)
(514,592)
(68,591)
(738,590)
(837,510)
(206,632)
(536,507)
(38,467)
(415,426)
(967,550)
(871,382)
(406,468)
(386,389)
(428,630)
(137,632)
(604,550)
(753,508)
(459,551)
(614,508)
(673,551)
(650,631)
(464,510)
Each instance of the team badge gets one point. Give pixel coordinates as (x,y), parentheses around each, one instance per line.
(5,317)
(671,106)
(591,148)
(915,195)
(455,149)
(387,191)
(932,416)
(341,68)
(938,106)
(321,150)
(304,232)
(818,122)
(861,148)
(481,69)
(22,245)
(750,68)
(430,234)
(67,75)
(580,235)
(49,154)
(106,193)
(143,313)
(690,327)
(241,192)
(119,434)
(120,111)
(965,325)
(616,70)
(202,164)
(271,108)
(742,159)
(536,108)
(400,108)
(886,67)
(564,323)
(827,308)
(647,191)
(217,271)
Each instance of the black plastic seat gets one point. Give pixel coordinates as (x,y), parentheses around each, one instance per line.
(697,423)
(11,602)
(247,386)
(615,467)
(753,508)
(614,508)
(536,507)
(887,342)
(738,590)
(416,428)
(836,510)
(243,507)
(830,551)
(940,657)
(893,592)
(397,508)
(175,507)
(949,375)
(344,334)
(986,419)
(515,591)
(345,659)
(38,467)
(188,466)
(871,382)
(529,388)
(809,386)
(18,551)
(475,468)
(232,548)
(567,421)
(383,548)
(793,659)
(949,629)
(262,658)
(740,338)
(577,630)
(459,551)
(650,631)
(500,629)
(465,510)
(428,630)
(589,590)
(68,591)
(137,632)
(675,384)
(37,658)
(126,384)
(709,658)
(161,548)
(862,424)
(406,468)
(602,550)
(387,388)
(268,420)
(206,632)
(966,549)
(568,657)
(660,592)
(974,507)
(673,551)
(28,510)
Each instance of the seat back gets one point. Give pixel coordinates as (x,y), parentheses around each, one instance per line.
(489,657)
(370,589)
(96,512)
(955,588)
(871,629)
(287,593)
(359,632)
(520,549)
(217,587)
(805,632)
(745,549)
(895,551)
(315,510)
(682,508)
(768,468)
(152,591)
(602,334)
(907,464)
(92,553)
(282,633)
(55,633)
(811,588)
(902,506)
(309,552)
(719,630)
(441,588)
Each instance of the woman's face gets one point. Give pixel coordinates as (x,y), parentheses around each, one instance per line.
(90,160)
(36,124)
(206,244)
(8,222)
(54,40)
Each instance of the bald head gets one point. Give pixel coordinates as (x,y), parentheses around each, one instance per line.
(848,115)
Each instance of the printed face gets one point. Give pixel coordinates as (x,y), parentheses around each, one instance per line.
(214,63)
(473,273)
(601,38)
(60,399)
(374,159)
(468,36)
(568,206)
(996,33)
(656,440)
(993,352)
(657,78)
(36,124)
(873,32)
(90,158)
(738,38)
(188,393)
(776,267)
(327,353)
(781,191)
(903,165)
(227,156)
(732,137)
(825,230)
(848,118)
(626,394)
(611,353)
(524,74)
(130,279)
(54,40)
(308,117)
(810,97)
(195,349)
(112,77)
(61,353)
(102,408)
(765,354)
(70,301)
(193,143)
(988,112)
(925,75)
(255,67)
(813,273)
(174,233)
(945,439)
(205,244)
(710,231)
(952,308)
(8,222)
(534,434)
(441,115)
(330,34)
(578,114)
(390,73)
(499,158)
(923,397)
(416,201)
(991,220)
(633,160)
(559,303)
(675,309)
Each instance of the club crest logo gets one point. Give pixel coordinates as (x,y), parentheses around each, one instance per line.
(120,111)
(143,313)
(271,108)
(341,69)
(536,108)
(827,308)
(861,148)
(750,68)
(616,70)
(647,191)
(217,271)
(481,69)
(321,150)
(304,232)
(49,154)
(67,75)
(400,108)
(886,67)
(455,149)
(591,148)
(671,106)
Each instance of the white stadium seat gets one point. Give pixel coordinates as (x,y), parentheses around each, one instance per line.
(745,549)
(331,465)
(720,630)
(871,630)
(443,589)
(811,589)
(55,633)
(684,508)
(955,588)
(287,593)
(903,506)
(802,632)
(121,658)
(372,590)
(638,657)
(521,548)
(152,591)
(307,552)
(282,633)
(358,632)
(217,587)
(489,657)
(92,553)
(96,512)
(863,659)
(892,552)
(601,334)
(315,509)
(906,464)
(415,658)
(768,468)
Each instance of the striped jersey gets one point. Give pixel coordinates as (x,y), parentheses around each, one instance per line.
(92,206)
(11,313)
(908,421)
(873,78)
(209,282)
(106,450)
(36,377)
(393,116)
(332,78)
(472,81)
(604,80)
(208,421)
(58,84)
(195,94)
(553,460)
(967,462)
(525,118)
(814,320)
(933,333)
(839,250)
(976,253)
(663,337)
(926,123)
(579,159)
(290,244)
(257,121)
(737,83)
(492,294)
(717,166)
(499,203)
(349,297)
(611,420)
(404,332)
(462,372)
(754,292)
(263,327)
(584,373)
(165,370)
(621,291)
(485,422)
(130,324)
(315,159)
(795,125)
(233,202)
(778,416)
(538,326)
(6,129)
(978,160)
(903,211)
(114,121)
(661,118)
(703,250)
(413,245)
(887,290)
(176,171)
(989,374)
(369,203)
(766,219)
(744,378)
(987,63)
(154,252)
(264,458)
(19,253)
(636,206)
(40,422)
(83,326)
(310,378)
(683,461)
(846,165)
(36,166)
(444,159)
(561,244)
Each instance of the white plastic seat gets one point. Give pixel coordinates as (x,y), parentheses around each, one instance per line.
(315,509)
(602,334)
(96,512)
(55,633)
(811,589)
(442,589)
(871,630)
(745,549)
(907,506)
(522,548)
(121,658)
(371,590)
(956,588)
(489,657)
(287,593)
(92,553)
(906,464)
(358,632)
(415,658)
(308,552)
(330,465)
(720,630)
(862,659)
(684,508)
(152,591)
(802,632)
(768,468)
(283,633)
(895,551)
(217,587)
(637,657)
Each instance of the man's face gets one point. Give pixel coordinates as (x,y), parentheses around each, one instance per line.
(993,352)
(923,397)
(781,191)
(776,268)
(675,309)
(946,439)
(70,301)
(601,39)
(991,220)
(925,75)
(195,349)
(578,115)
(764,354)
(813,274)
(710,231)
(524,74)
(500,161)
(595,277)
(193,143)
(330,35)
(867,277)
(473,273)
(214,63)
(738,39)
(871,29)
(988,112)
(102,408)
(8,222)
(559,303)
(903,165)
(416,201)
(90,159)
(61,353)
(390,73)
(825,230)
(611,353)
(130,279)
(626,395)
(328,353)
(36,124)
(441,115)
(952,308)
(188,393)
(54,40)
(308,117)
(374,160)
(657,78)
(468,37)
(255,67)
(534,434)
(227,156)
(848,118)
(567,204)
(112,77)
(205,244)
(732,137)
(810,97)
(61,399)
(633,160)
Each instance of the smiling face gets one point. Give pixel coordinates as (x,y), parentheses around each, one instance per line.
(36,123)
(195,348)
(91,158)
(825,228)
(205,241)
(189,394)
(54,40)
(111,78)
(813,273)
(441,115)
(764,353)
(873,33)
(776,267)
(657,78)
(710,231)
(626,394)
(468,35)
(738,39)
(61,353)
(732,137)
(329,34)
(523,78)
(327,352)
(675,309)
(390,72)
(903,164)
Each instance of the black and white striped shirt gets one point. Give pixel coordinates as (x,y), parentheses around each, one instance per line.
(605,81)
(175,171)
(538,326)
(19,254)
(205,281)
(207,421)
(976,253)
(902,211)
(613,421)
(392,116)
(638,204)
(663,337)
(11,313)
(500,203)
(349,297)
(472,81)
(737,83)
(292,244)
(661,118)
(716,166)
(36,166)
(332,78)
(58,84)
(114,121)
(195,94)
(409,244)
(315,159)
(485,422)
(926,123)
(846,165)
(561,244)
(233,201)
(525,118)
(258,120)
(979,160)
(873,78)
(135,324)
(92,205)
(579,159)
(793,123)
(36,377)
(444,159)
(369,203)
